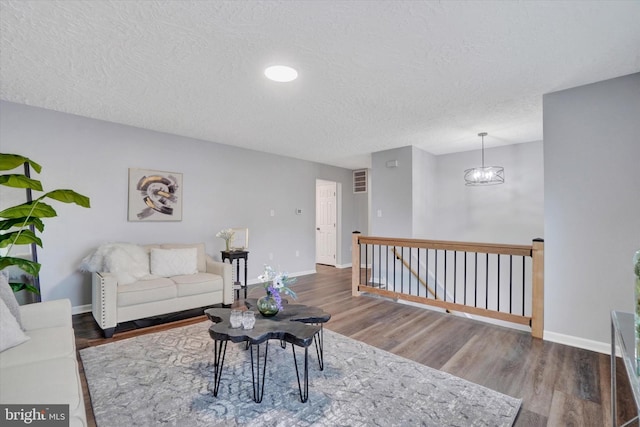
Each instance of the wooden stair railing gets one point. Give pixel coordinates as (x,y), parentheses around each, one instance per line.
(414,272)
(422,281)
(535,252)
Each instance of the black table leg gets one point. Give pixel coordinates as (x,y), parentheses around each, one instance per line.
(238,282)
(245,276)
(319,342)
(258,383)
(304,394)
(220,349)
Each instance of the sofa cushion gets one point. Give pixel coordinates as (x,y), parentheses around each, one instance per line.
(53,381)
(45,343)
(201,283)
(144,291)
(173,262)
(46,314)
(202,263)
(11,334)
(76,422)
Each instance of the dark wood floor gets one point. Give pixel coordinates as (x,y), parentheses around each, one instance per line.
(559,385)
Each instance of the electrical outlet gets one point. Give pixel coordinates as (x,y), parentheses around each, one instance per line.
(379,213)
(272,212)
(297,253)
(270,256)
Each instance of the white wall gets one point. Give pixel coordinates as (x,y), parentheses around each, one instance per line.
(512,212)
(223,187)
(592,205)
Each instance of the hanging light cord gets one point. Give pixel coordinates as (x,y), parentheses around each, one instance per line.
(482,135)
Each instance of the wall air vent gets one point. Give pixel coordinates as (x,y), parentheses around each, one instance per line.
(360,181)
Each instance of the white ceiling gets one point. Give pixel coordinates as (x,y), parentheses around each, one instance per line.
(373,75)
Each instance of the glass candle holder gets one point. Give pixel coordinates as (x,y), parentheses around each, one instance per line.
(235,319)
(248,320)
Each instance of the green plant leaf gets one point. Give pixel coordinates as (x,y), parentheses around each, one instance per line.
(20,181)
(17,287)
(41,210)
(30,267)
(7,224)
(69,196)
(31,288)
(20,237)
(12,161)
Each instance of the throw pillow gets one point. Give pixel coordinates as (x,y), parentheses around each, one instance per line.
(174,262)
(128,262)
(11,334)
(9,298)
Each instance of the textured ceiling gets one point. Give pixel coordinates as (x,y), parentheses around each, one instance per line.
(373,75)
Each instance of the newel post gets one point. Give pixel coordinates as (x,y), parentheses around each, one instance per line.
(537,304)
(355,263)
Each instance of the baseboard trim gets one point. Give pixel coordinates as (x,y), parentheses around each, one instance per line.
(79,309)
(344,265)
(303,273)
(597,346)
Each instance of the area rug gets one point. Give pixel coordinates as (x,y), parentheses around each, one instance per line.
(166,379)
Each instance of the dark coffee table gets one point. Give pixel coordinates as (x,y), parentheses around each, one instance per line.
(300,313)
(297,324)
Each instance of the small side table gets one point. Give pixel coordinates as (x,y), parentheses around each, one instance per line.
(237,256)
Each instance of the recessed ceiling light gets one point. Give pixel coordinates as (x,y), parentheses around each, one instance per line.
(281,73)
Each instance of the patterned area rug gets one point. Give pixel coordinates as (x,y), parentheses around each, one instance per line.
(166,378)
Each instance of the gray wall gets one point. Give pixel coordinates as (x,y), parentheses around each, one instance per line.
(425,185)
(425,196)
(508,213)
(223,187)
(392,194)
(592,204)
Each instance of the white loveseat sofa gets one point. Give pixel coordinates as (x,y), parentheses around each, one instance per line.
(205,282)
(43,370)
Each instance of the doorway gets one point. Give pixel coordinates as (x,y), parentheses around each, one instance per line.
(326,222)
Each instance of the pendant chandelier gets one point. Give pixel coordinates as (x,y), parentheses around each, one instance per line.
(485,175)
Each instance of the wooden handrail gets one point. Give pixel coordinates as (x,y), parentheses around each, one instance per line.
(485,248)
(534,251)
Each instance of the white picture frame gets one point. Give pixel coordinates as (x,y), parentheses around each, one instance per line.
(240,241)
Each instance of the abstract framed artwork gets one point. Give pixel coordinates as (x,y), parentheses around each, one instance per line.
(154,195)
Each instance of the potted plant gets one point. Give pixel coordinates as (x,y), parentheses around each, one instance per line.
(20,224)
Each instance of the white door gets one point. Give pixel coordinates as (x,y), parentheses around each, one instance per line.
(326,209)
